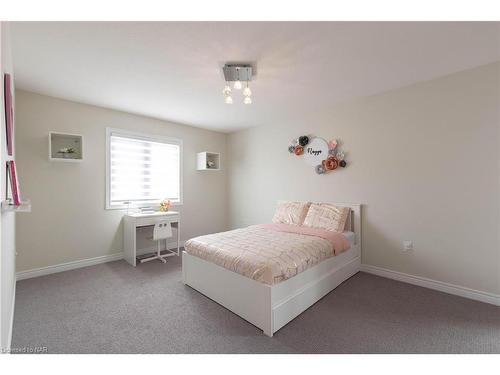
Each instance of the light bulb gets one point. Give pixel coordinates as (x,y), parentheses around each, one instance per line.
(237,85)
(228,100)
(247,91)
(247,100)
(226,91)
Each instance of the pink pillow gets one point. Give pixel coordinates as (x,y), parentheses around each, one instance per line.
(326,216)
(291,213)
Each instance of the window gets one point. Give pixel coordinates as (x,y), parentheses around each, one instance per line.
(142,170)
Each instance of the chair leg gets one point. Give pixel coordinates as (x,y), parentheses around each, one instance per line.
(159,252)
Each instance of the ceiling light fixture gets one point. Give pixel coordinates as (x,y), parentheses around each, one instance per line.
(247,92)
(237,85)
(227,95)
(237,73)
(227,90)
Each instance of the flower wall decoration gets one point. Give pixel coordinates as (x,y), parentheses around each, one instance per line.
(298,150)
(324,156)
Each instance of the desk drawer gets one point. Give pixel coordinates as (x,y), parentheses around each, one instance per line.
(145,221)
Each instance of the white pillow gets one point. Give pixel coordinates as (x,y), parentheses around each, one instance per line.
(291,213)
(326,216)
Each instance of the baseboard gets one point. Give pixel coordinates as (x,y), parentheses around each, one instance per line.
(28,274)
(458,290)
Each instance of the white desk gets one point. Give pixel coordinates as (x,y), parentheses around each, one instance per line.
(133,221)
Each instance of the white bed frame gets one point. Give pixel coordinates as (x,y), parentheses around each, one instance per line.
(270,307)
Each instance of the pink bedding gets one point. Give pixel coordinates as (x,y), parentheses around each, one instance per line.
(338,240)
(268,253)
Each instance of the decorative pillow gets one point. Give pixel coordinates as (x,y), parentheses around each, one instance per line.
(326,216)
(291,212)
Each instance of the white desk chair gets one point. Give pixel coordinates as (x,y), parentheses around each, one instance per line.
(162,231)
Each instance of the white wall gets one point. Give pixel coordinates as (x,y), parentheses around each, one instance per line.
(7,227)
(424,161)
(68,221)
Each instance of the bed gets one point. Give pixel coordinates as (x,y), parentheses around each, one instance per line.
(269,297)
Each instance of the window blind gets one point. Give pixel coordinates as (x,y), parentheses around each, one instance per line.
(143,171)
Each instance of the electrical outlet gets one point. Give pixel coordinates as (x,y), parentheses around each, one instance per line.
(407,245)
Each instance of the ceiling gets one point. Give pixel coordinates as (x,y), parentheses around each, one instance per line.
(172,70)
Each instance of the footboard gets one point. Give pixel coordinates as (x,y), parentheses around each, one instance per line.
(293,296)
(265,306)
(245,297)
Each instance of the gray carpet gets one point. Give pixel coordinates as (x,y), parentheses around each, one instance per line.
(115,308)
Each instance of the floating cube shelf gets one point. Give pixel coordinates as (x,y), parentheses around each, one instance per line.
(59,142)
(208,161)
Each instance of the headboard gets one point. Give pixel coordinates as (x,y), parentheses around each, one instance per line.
(353,223)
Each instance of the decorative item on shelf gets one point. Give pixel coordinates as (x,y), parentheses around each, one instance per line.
(208,161)
(165,205)
(65,147)
(9,112)
(14,185)
(324,156)
(66,151)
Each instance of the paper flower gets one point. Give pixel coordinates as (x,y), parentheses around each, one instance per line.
(343,163)
(299,150)
(340,155)
(291,149)
(165,205)
(320,169)
(303,140)
(332,144)
(330,164)
(331,152)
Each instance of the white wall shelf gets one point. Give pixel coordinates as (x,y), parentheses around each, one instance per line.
(208,161)
(7,206)
(58,141)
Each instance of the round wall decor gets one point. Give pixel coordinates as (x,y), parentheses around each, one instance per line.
(322,155)
(316,151)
